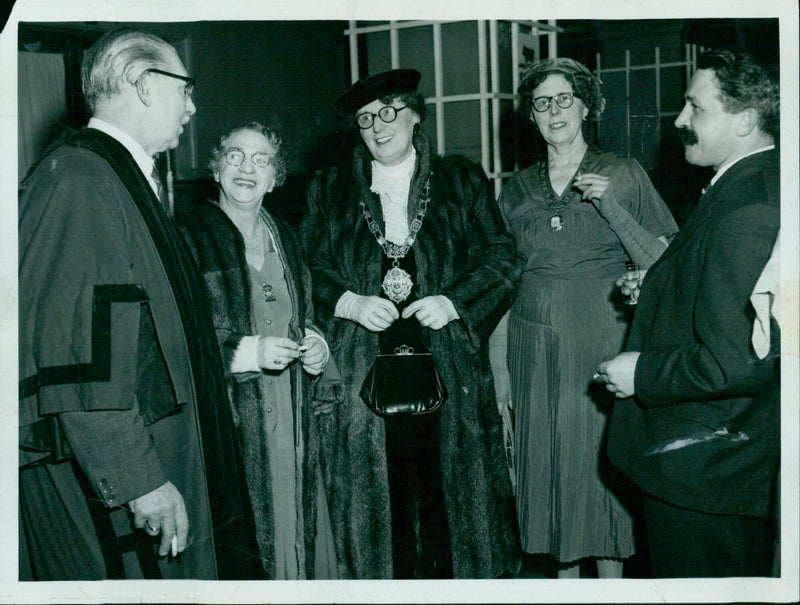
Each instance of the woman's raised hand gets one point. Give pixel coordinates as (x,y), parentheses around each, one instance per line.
(597,189)
(276,353)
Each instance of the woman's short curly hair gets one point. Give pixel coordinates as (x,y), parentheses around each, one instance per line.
(584,83)
(745,84)
(278,160)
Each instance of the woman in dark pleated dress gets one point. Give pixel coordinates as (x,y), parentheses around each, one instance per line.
(578,216)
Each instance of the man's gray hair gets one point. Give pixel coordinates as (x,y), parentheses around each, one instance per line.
(117,59)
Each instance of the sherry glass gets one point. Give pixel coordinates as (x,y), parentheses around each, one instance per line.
(631,281)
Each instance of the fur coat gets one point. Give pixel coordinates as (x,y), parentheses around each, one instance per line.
(463,252)
(220,252)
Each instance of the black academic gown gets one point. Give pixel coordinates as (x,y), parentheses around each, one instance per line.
(120,378)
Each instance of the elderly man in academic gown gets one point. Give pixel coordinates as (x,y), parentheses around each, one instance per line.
(128,465)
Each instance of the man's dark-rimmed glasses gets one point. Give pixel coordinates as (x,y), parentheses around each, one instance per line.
(187,90)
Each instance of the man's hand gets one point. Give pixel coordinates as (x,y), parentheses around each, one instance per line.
(618,374)
(627,279)
(433,312)
(163,510)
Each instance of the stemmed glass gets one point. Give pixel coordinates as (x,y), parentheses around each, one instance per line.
(631,281)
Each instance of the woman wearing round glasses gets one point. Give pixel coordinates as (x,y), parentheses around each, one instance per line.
(408,251)
(577,216)
(260,294)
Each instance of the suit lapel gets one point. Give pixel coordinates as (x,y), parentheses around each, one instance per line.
(700,215)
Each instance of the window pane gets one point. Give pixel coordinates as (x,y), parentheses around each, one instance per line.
(416,52)
(462,129)
(460,58)
(673,83)
(379,56)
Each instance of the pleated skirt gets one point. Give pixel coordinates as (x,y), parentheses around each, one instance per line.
(568,499)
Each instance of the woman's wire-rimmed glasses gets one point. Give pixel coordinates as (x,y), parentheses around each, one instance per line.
(387,114)
(563,99)
(190,82)
(235,156)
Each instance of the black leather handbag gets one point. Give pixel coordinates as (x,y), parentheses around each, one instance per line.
(403,382)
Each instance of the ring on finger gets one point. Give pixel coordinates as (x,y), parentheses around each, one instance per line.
(150,529)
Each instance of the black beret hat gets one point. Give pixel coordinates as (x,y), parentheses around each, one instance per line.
(368,89)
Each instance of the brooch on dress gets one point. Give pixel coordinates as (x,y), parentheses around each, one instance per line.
(556,223)
(553,204)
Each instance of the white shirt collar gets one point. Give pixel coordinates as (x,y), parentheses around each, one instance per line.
(725,167)
(143,160)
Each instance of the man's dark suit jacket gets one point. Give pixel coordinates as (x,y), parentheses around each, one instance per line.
(703,429)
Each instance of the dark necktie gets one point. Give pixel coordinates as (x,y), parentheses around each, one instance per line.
(162,193)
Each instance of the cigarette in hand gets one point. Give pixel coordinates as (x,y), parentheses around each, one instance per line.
(175,545)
